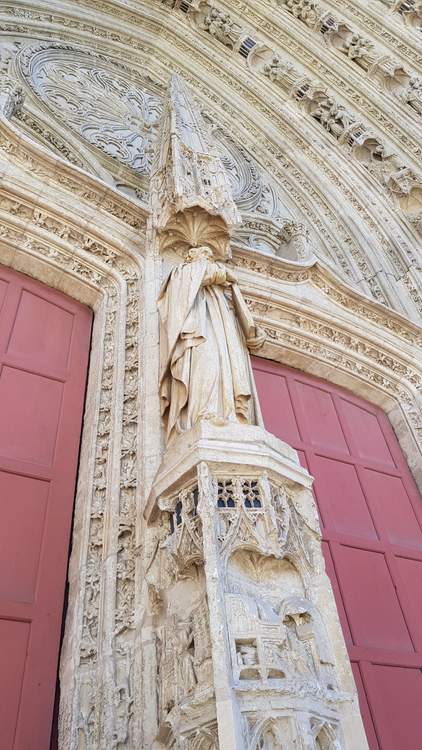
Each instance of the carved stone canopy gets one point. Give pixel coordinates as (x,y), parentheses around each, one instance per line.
(188,178)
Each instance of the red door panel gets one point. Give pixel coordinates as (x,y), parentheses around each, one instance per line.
(44,349)
(342,503)
(391,508)
(371,519)
(395,694)
(372,607)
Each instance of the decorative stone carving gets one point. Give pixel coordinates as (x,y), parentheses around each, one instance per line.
(410,11)
(188,174)
(280,71)
(413,94)
(22,23)
(239,575)
(325,734)
(185,542)
(338,34)
(322,106)
(84,261)
(11,97)
(205,370)
(220,25)
(296,238)
(307,11)
(252,192)
(286,239)
(96,100)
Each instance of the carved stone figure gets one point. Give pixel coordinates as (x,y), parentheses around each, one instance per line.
(278,70)
(296,236)
(306,10)
(205,329)
(413,94)
(186,648)
(410,10)
(11,97)
(220,25)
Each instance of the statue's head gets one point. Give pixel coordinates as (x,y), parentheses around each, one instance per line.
(199,253)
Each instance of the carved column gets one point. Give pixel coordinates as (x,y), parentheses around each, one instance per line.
(248,647)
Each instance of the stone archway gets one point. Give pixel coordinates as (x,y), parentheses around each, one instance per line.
(55,247)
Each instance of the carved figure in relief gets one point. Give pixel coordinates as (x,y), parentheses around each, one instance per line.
(186,650)
(325,734)
(221,26)
(413,94)
(306,10)
(205,331)
(411,10)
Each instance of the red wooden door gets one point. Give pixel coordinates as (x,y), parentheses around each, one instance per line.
(44,348)
(371,518)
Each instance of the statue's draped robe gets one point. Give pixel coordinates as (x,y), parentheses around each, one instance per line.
(205,366)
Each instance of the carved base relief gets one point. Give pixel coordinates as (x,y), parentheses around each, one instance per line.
(240,600)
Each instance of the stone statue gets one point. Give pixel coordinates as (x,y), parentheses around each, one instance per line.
(188,678)
(205,331)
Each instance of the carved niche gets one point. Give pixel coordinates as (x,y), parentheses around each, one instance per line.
(277,639)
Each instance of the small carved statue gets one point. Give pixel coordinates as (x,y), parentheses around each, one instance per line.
(206,328)
(413,94)
(247,655)
(188,677)
(221,26)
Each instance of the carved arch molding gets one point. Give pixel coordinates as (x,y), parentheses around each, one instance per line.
(96,98)
(368,248)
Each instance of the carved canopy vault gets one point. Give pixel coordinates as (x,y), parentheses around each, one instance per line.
(315,117)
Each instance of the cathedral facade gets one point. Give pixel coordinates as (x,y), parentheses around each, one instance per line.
(211,374)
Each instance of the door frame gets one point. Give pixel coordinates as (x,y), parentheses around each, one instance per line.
(98,272)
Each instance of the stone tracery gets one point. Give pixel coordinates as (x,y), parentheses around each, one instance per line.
(372,280)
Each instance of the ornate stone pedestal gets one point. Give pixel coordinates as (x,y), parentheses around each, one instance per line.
(249,648)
